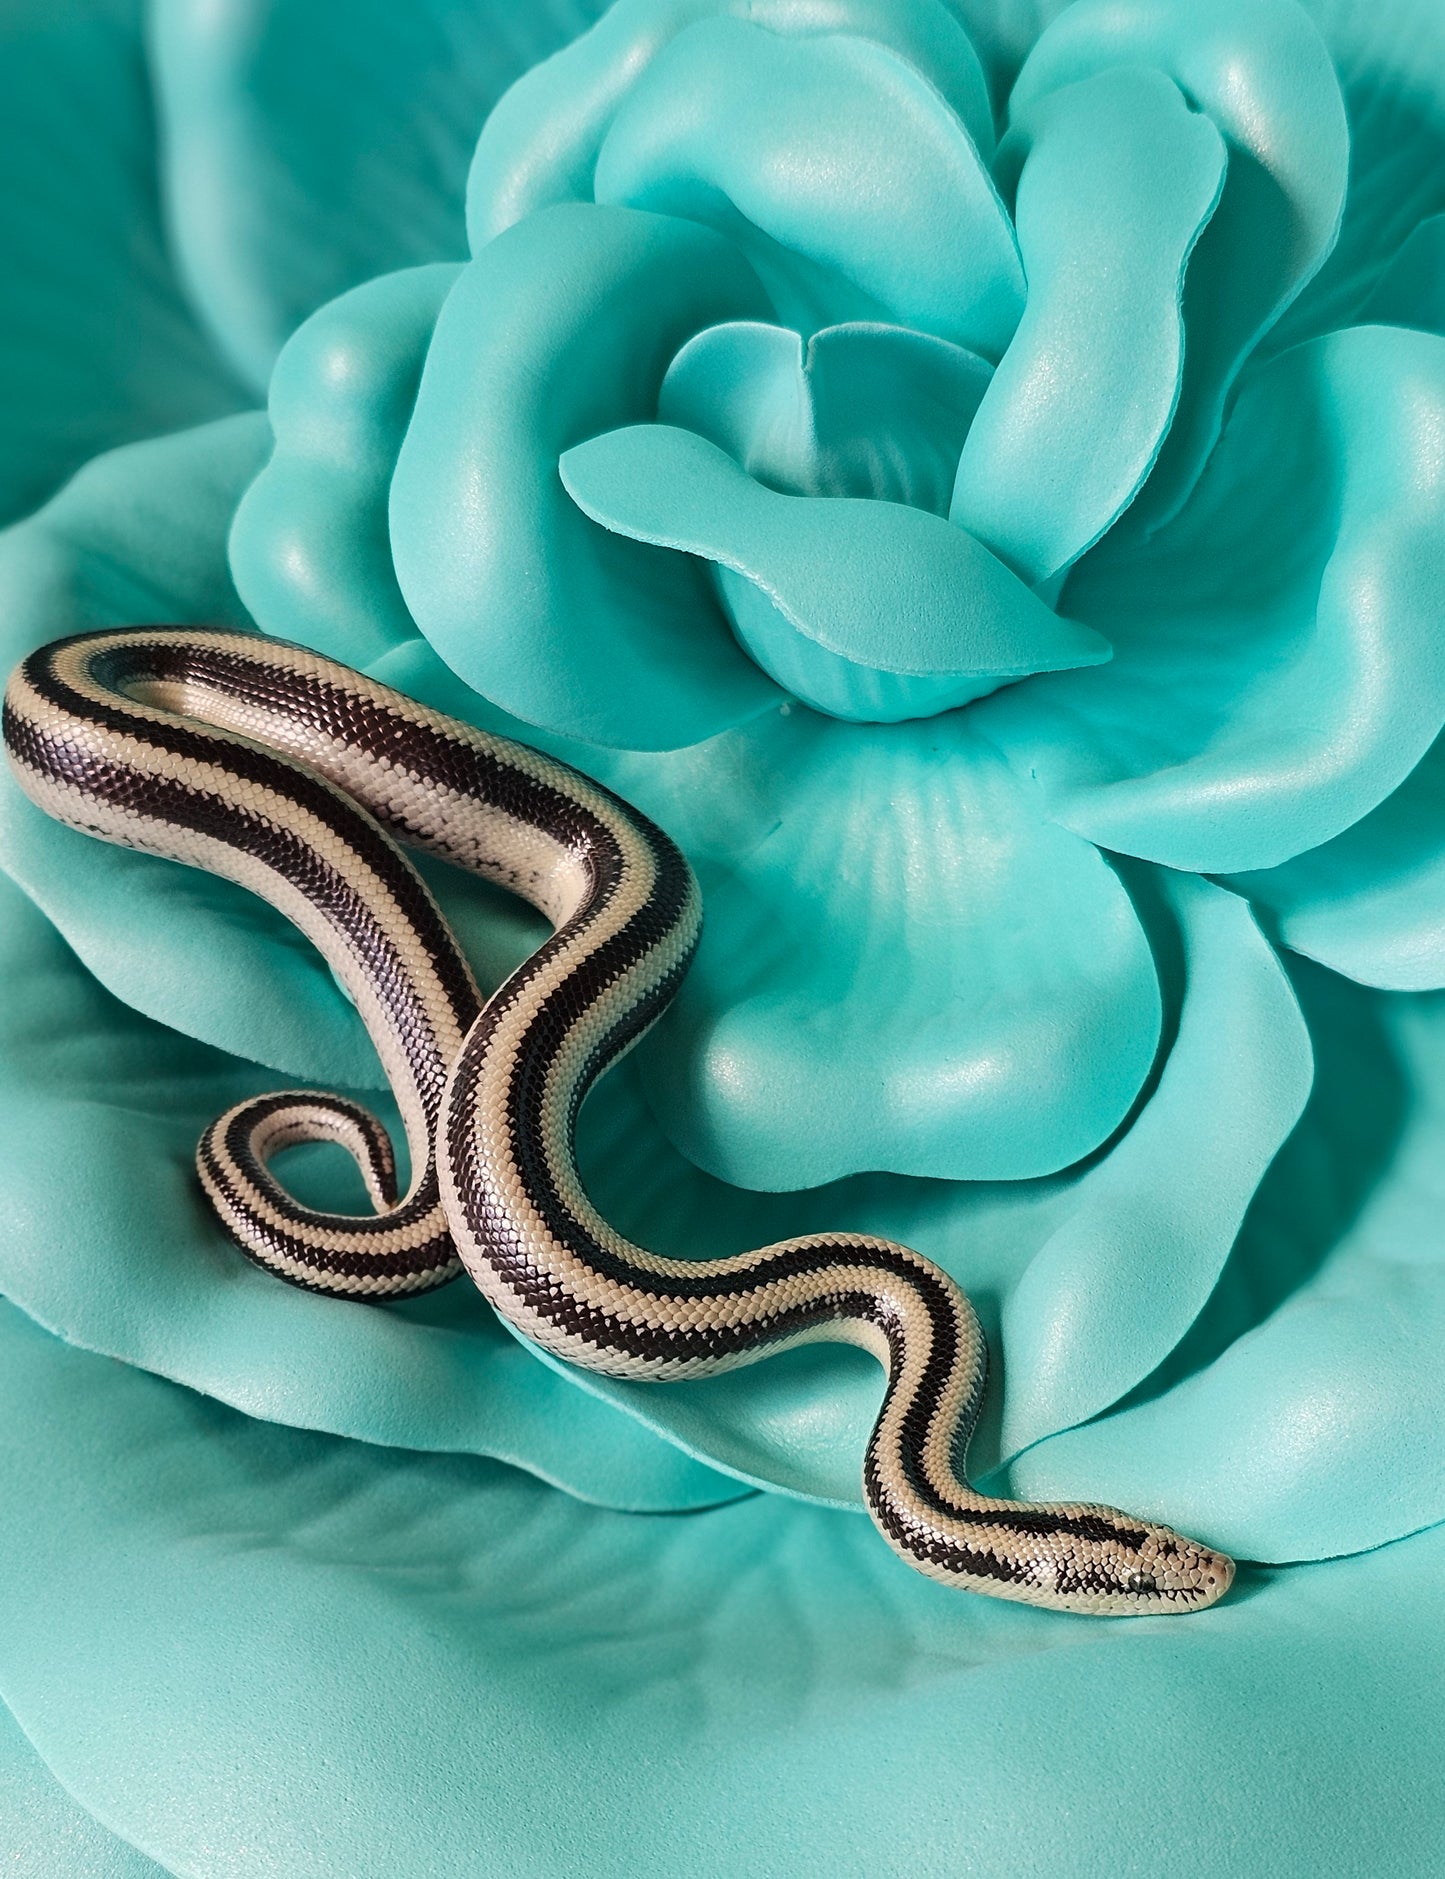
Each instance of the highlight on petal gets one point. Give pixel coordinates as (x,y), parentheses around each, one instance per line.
(868,610)
(109,1242)
(560,329)
(1117,1285)
(39,1818)
(97,343)
(1260,70)
(1270,685)
(1305,1413)
(1118,178)
(856,410)
(844,177)
(308,148)
(310,547)
(1371,903)
(957,988)
(540,145)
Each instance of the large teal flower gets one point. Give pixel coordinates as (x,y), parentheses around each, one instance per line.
(974,472)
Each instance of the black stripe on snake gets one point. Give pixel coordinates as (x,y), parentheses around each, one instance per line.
(303,780)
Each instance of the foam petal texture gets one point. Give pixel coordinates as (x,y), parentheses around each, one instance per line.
(1118,179)
(783,144)
(97,343)
(1304,1409)
(1261,71)
(960,989)
(869,610)
(308,149)
(561,328)
(1371,903)
(310,1656)
(861,409)
(1270,685)
(541,145)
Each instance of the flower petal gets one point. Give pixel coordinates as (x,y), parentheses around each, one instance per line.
(1306,1411)
(139,535)
(869,610)
(540,145)
(850,185)
(1118,178)
(109,1241)
(44,1832)
(857,410)
(1271,682)
(958,988)
(562,328)
(97,344)
(1390,61)
(308,149)
(1371,903)
(255,1650)
(310,547)
(1113,1290)
(1085,1282)
(1260,69)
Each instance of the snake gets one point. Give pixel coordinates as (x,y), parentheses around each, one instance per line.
(304,782)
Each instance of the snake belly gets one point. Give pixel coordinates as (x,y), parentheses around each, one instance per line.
(299,778)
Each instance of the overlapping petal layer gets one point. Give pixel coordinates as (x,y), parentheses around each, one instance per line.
(1270,684)
(97,343)
(309,1656)
(45,1832)
(109,1241)
(309,149)
(1318,1355)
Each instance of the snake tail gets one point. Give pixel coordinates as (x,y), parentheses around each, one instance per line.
(303,781)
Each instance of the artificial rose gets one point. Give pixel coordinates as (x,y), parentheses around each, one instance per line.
(976,479)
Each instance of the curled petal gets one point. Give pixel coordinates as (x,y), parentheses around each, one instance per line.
(310,547)
(1389,61)
(856,410)
(1119,179)
(540,145)
(853,189)
(1371,903)
(958,988)
(871,610)
(1269,686)
(1306,1411)
(562,328)
(1260,69)
(1117,1285)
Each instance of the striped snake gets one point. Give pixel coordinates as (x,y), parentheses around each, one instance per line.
(297,778)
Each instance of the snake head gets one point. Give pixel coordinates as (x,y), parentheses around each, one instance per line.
(1143,1570)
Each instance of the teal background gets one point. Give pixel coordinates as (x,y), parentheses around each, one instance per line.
(1040,663)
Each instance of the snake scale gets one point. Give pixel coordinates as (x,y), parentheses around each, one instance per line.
(302,781)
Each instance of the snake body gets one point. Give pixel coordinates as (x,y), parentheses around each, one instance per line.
(300,779)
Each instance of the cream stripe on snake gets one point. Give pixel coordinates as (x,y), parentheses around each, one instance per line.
(297,778)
